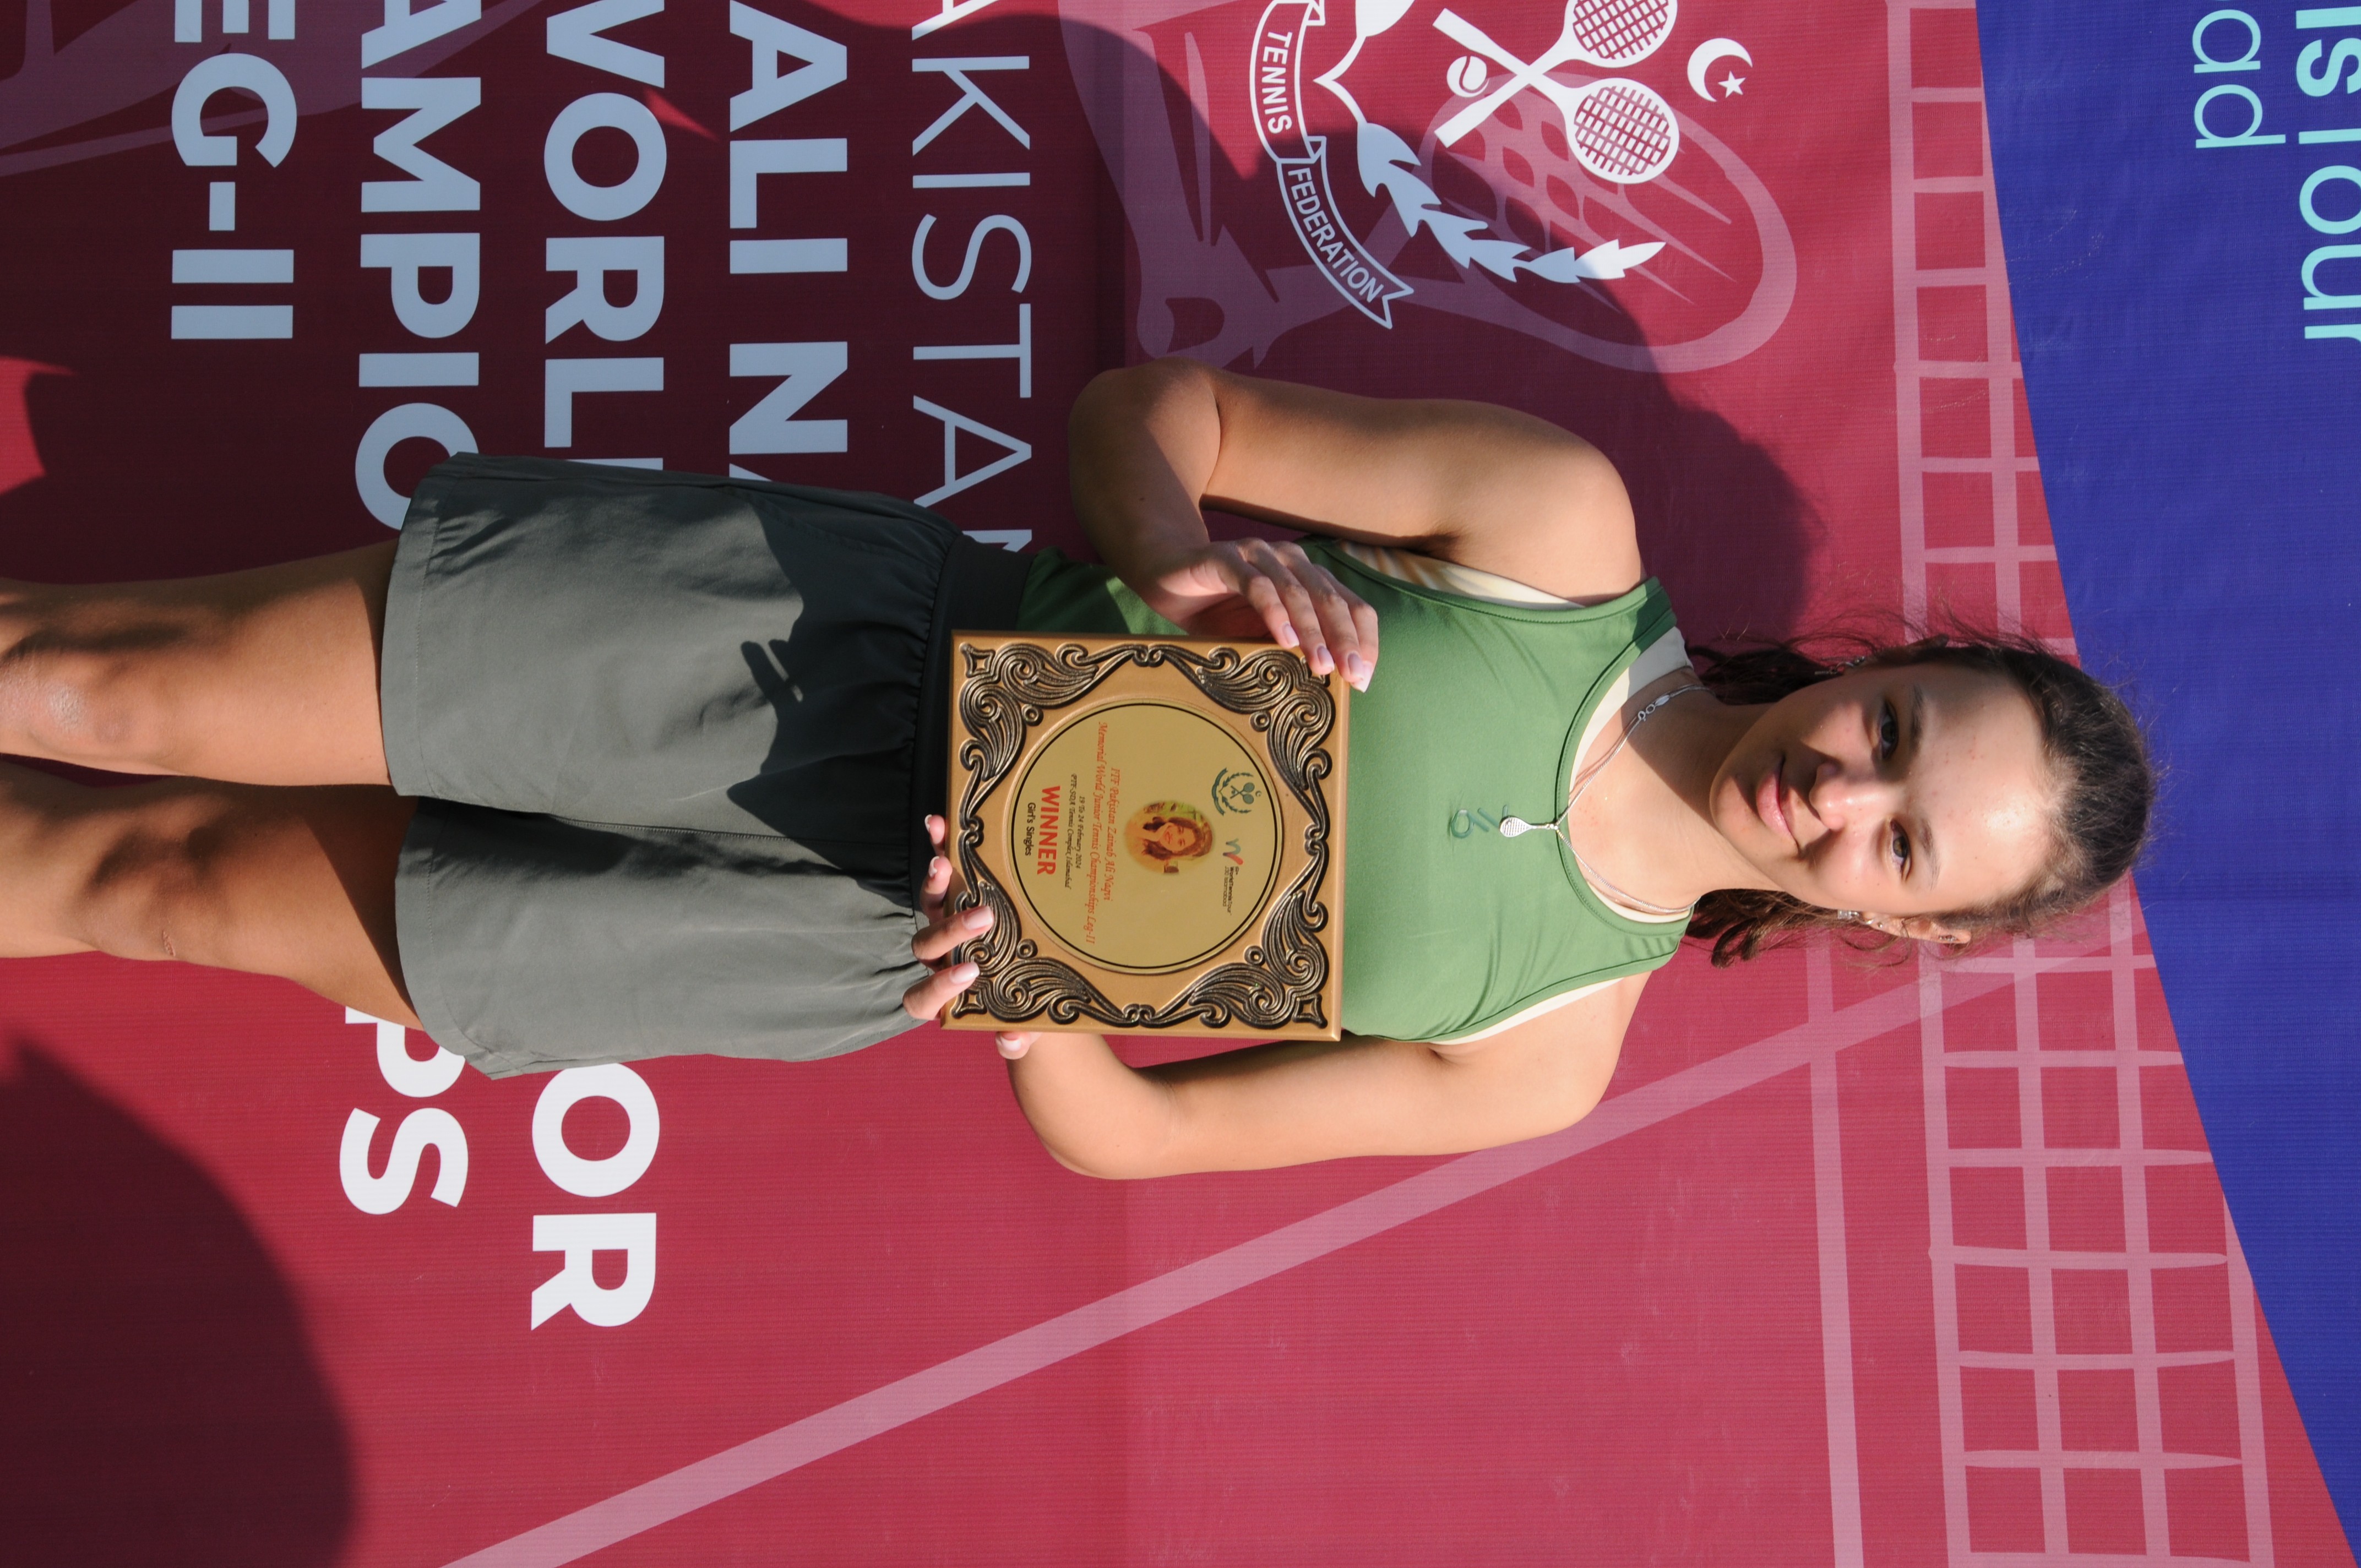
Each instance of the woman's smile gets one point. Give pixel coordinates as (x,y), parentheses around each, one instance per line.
(1770,804)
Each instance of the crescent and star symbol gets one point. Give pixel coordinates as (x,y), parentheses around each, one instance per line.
(1706,56)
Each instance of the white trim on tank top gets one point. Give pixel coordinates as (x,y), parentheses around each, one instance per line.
(1445,576)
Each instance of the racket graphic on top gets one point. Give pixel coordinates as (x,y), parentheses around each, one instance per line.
(1609,34)
(1617,129)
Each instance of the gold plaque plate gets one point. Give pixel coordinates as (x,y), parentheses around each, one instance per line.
(1157,826)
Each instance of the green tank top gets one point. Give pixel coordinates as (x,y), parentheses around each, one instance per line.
(1474,714)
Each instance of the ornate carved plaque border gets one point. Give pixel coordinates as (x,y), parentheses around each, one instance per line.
(1281,979)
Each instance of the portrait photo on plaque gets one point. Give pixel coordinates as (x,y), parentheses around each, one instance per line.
(1157,826)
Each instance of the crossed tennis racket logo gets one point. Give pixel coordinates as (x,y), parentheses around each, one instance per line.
(1618,129)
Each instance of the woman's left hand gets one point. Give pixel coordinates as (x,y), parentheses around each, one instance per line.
(1235,587)
(939,938)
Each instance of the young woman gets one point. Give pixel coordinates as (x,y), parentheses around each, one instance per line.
(597,764)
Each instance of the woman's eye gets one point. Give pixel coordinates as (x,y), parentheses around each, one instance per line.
(1889,731)
(1901,847)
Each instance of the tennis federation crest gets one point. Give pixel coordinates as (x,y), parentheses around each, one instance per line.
(1465,158)
(1619,131)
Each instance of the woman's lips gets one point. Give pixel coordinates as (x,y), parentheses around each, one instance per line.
(1767,802)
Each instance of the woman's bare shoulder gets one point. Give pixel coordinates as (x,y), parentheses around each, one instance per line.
(1475,484)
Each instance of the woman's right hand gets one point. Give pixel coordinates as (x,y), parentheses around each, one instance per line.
(1254,588)
(940,937)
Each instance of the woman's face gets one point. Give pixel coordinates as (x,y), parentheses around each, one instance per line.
(1177,836)
(1896,791)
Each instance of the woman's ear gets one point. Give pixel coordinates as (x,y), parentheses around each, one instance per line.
(1919,928)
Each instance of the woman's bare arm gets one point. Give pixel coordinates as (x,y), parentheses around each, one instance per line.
(1473,483)
(1290,1103)
(1284,1103)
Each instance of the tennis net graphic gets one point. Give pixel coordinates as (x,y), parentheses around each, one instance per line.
(2096,1331)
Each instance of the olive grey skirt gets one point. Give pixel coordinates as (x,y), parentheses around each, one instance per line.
(672,738)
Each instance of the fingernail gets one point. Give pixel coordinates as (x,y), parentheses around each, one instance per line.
(1356,670)
(964,974)
(1009,1048)
(976,919)
(938,866)
(1287,637)
(1322,662)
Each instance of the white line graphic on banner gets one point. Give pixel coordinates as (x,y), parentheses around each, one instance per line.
(733,1470)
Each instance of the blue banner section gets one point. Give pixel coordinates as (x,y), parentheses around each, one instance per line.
(2180,198)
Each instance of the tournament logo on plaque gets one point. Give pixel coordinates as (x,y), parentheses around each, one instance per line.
(1158,826)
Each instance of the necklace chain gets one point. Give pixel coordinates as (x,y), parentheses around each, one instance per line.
(1511,827)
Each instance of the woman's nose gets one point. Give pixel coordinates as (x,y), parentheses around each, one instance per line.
(1842,792)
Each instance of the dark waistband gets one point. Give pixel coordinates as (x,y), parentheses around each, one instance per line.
(986,586)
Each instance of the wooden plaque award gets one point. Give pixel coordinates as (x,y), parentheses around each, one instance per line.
(1157,826)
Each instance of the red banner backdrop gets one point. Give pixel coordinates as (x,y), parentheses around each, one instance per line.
(1856,1265)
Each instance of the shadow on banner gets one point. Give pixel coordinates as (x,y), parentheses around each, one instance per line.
(163,1403)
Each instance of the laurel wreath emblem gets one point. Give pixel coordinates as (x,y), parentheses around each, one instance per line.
(1391,167)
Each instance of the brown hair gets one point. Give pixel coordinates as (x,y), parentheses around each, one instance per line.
(2106,787)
